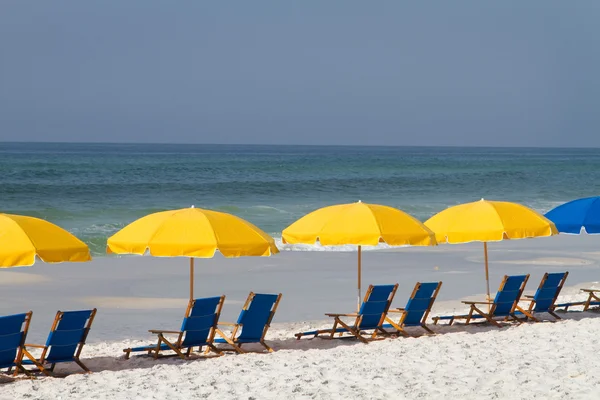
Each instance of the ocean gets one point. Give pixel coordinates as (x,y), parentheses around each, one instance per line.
(93,190)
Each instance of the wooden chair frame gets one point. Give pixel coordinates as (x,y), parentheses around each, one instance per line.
(489,316)
(529,311)
(21,350)
(354,329)
(232,340)
(40,362)
(400,325)
(592,300)
(177,345)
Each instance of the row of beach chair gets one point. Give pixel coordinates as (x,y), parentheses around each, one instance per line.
(375,319)
(201,324)
(199,329)
(64,344)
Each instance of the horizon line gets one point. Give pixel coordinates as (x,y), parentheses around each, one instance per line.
(300,145)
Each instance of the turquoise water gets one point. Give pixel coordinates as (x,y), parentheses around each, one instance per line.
(95,189)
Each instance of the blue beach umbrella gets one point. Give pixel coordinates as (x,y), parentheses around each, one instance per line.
(574,215)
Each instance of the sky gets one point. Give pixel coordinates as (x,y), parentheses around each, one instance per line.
(443,73)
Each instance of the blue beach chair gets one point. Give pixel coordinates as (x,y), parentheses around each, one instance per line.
(197,329)
(592,300)
(65,341)
(545,296)
(253,323)
(417,309)
(13,331)
(370,316)
(504,304)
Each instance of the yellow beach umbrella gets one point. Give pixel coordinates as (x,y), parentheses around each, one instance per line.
(22,238)
(191,232)
(359,224)
(488,221)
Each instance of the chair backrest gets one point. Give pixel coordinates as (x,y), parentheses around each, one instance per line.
(201,318)
(508,295)
(13,331)
(256,316)
(548,291)
(419,305)
(375,305)
(67,335)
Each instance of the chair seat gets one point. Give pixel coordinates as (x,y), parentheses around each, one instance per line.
(389,326)
(338,330)
(219,340)
(29,362)
(464,316)
(578,303)
(163,346)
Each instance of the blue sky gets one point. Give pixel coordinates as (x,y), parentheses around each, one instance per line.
(504,73)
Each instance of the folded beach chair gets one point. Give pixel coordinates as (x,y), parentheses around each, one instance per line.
(65,341)
(252,324)
(197,330)
(417,309)
(370,316)
(504,304)
(545,296)
(13,331)
(592,300)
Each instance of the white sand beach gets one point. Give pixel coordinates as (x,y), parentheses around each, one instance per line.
(134,294)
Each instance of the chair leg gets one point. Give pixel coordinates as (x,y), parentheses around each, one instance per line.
(230,341)
(82,365)
(353,331)
(588,301)
(20,368)
(266,346)
(171,346)
(427,329)
(554,314)
(484,315)
(335,324)
(38,364)
(213,348)
(527,313)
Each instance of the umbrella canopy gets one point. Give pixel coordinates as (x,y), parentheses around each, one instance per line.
(359,224)
(191,232)
(571,217)
(22,238)
(488,221)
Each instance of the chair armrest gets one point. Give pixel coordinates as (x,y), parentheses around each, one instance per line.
(162,331)
(227,323)
(39,346)
(529,296)
(478,302)
(397,310)
(342,315)
(590,290)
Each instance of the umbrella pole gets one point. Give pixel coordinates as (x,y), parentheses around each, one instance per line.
(359,277)
(487,273)
(191,278)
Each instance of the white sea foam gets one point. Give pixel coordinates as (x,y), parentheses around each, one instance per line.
(318,247)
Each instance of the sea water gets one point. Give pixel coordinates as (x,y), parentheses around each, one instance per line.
(93,190)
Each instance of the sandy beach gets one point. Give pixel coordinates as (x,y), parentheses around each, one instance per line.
(134,294)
